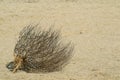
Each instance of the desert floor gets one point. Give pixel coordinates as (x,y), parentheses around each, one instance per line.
(92,25)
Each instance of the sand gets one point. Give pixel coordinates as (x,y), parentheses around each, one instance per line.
(92,25)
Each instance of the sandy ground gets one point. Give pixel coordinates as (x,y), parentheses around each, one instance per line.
(92,25)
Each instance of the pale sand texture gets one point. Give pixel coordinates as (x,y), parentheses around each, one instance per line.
(92,25)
